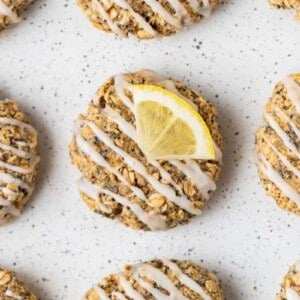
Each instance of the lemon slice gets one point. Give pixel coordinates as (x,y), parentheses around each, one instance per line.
(168,127)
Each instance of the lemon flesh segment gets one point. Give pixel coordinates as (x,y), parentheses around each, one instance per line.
(168,127)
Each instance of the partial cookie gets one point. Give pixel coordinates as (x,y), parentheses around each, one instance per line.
(11,287)
(10,11)
(287,4)
(278,143)
(18,160)
(118,181)
(290,288)
(145,19)
(159,279)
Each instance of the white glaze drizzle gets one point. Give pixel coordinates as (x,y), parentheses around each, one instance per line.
(192,170)
(118,296)
(128,289)
(282,134)
(181,18)
(92,192)
(97,5)
(293,91)
(284,159)
(186,280)
(101,292)
(7,178)
(144,270)
(11,294)
(291,294)
(15,122)
(140,20)
(137,166)
(154,222)
(288,120)
(267,169)
(7,11)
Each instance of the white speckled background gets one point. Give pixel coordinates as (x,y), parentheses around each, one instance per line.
(54,61)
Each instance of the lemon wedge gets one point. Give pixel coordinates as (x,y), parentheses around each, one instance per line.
(168,127)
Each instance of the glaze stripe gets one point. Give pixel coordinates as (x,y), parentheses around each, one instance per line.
(7,11)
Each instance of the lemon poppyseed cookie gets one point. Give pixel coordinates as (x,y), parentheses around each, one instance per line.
(159,279)
(288,4)
(18,160)
(290,288)
(11,287)
(148,150)
(277,145)
(10,11)
(145,18)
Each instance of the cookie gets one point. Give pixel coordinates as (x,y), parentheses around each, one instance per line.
(290,288)
(10,11)
(145,19)
(288,4)
(278,143)
(18,160)
(118,181)
(11,287)
(159,279)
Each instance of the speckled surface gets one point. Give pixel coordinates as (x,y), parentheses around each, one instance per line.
(54,61)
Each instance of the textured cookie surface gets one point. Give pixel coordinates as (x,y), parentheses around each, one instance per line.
(18,160)
(12,288)
(145,19)
(288,4)
(159,279)
(278,143)
(118,181)
(10,11)
(290,288)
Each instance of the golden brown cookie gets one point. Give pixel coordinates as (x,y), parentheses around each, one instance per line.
(290,288)
(159,279)
(18,160)
(10,11)
(118,181)
(278,144)
(12,288)
(288,4)
(145,19)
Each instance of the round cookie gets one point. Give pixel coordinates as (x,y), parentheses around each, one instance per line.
(118,181)
(287,4)
(278,143)
(290,288)
(11,287)
(10,11)
(18,160)
(159,279)
(145,19)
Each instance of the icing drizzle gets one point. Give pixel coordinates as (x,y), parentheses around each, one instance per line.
(143,271)
(180,19)
(172,191)
(7,11)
